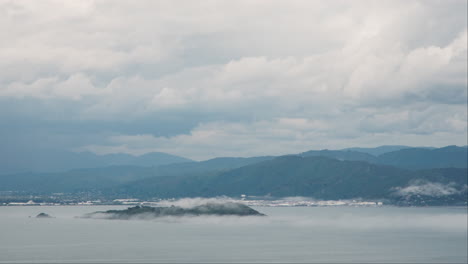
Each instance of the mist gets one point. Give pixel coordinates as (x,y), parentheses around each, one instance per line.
(365,234)
(430,189)
(326,217)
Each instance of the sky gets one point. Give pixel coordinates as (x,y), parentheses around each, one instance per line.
(202,79)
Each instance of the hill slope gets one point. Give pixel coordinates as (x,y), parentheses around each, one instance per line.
(407,158)
(318,177)
(422,158)
(377,150)
(94,179)
(340,155)
(309,175)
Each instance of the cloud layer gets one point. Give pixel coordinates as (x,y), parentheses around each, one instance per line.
(430,189)
(232,78)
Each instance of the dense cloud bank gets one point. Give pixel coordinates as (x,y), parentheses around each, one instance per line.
(236,78)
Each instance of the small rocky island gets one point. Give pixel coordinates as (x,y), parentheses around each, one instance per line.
(43,215)
(216,209)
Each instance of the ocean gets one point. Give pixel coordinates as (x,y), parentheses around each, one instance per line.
(286,235)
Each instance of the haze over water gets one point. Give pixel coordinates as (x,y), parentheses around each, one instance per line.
(108,102)
(287,234)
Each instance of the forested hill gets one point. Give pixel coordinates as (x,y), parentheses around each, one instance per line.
(408,158)
(318,177)
(437,175)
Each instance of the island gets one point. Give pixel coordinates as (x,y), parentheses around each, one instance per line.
(216,209)
(43,215)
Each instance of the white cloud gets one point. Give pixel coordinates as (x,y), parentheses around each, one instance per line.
(300,72)
(223,139)
(276,137)
(430,189)
(74,87)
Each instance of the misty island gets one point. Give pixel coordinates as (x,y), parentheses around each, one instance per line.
(43,215)
(216,209)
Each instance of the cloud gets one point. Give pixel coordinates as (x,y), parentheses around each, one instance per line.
(324,218)
(74,87)
(430,189)
(314,72)
(276,137)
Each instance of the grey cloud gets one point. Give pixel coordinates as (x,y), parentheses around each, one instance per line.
(355,73)
(418,119)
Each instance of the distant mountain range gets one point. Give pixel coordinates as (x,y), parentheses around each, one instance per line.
(410,176)
(318,177)
(97,179)
(382,149)
(56,161)
(405,157)
(420,158)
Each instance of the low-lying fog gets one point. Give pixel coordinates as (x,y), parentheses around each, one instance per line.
(286,234)
(434,218)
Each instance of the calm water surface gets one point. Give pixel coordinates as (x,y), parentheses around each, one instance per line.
(294,235)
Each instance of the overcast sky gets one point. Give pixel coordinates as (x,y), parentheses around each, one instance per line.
(231,78)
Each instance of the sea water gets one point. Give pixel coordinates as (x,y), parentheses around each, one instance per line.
(286,235)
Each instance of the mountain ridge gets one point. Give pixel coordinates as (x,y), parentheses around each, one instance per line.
(61,161)
(318,177)
(325,174)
